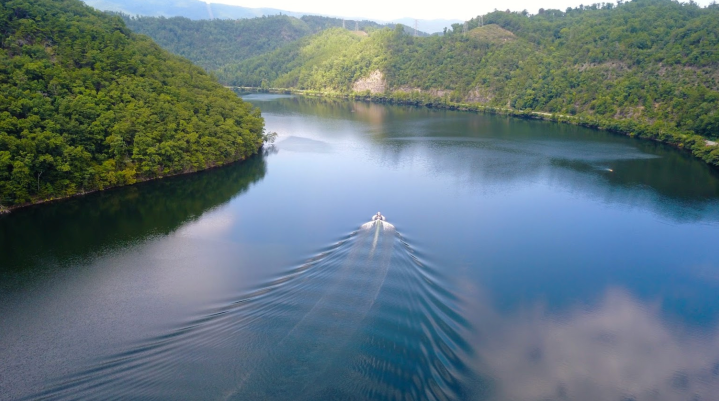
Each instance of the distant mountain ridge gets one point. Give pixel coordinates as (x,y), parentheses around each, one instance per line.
(428,25)
(197,10)
(216,43)
(606,66)
(192,9)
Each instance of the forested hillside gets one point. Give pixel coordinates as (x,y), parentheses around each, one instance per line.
(645,67)
(85,104)
(214,44)
(330,60)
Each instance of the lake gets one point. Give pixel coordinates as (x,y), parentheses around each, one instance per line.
(520,260)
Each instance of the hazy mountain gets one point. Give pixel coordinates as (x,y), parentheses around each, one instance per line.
(196,9)
(430,26)
(193,9)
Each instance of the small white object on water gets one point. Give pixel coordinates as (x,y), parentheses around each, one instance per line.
(378,219)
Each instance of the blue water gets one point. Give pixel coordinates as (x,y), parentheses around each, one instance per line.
(526,261)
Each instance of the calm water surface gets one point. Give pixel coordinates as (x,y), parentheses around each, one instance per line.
(525,261)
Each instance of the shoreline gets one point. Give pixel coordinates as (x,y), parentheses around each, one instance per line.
(5,210)
(700,147)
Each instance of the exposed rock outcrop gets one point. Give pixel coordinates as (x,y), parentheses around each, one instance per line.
(480,95)
(375,83)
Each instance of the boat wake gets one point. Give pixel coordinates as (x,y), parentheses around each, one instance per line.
(377,223)
(365,318)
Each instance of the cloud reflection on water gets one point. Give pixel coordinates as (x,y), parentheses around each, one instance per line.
(621,349)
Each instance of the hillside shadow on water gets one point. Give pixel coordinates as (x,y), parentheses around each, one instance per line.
(70,230)
(673,182)
(484,150)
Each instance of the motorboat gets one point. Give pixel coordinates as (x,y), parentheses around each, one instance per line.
(378,220)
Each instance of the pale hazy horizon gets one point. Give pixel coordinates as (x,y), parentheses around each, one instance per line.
(390,10)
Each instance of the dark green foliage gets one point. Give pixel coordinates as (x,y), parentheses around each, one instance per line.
(645,63)
(85,105)
(302,65)
(105,220)
(213,44)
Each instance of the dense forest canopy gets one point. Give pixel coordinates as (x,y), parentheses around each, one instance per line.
(216,43)
(85,104)
(645,67)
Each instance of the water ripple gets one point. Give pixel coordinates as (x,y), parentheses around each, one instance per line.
(366,317)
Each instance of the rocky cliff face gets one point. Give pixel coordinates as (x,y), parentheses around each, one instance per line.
(375,83)
(480,95)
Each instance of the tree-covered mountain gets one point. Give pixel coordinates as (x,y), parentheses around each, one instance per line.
(645,67)
(199,10)
(213,44)
(85,104)
(331,60)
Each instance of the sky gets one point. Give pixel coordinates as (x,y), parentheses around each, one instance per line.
(389,10)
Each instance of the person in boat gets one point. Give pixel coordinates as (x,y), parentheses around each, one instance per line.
(378,217)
